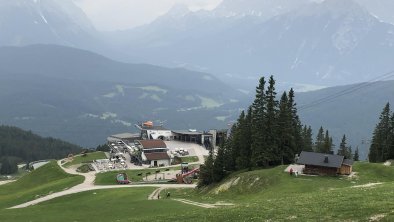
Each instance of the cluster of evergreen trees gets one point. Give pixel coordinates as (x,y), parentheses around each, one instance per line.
(17,145)
(269,133)
(382,144)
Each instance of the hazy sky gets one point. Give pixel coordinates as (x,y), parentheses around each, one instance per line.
(123,14)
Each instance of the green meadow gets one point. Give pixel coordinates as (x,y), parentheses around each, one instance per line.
(259,195)
(85,159)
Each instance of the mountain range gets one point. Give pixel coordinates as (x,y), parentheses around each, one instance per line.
(83,97)
(51,84)
(307,44)
(321,44)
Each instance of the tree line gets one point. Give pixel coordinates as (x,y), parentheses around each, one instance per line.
(17,145)
(382,144)
(268,133)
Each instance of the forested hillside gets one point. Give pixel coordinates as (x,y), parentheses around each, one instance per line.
(17,145)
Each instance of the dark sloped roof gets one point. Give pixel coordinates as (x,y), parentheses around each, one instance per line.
(157,156)
(148,144)
(348,162)
(317,159)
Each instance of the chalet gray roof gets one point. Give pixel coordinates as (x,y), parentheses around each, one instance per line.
(317,159)
(348,162)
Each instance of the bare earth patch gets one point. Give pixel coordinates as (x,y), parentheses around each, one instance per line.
(377,217)
(366,185)
(353,175)
(221,203)
(6,181)
(387,163)
(227,185)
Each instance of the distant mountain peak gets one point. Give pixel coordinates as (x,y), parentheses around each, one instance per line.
(25,22)
(178,10)
(258,8)
(341,7)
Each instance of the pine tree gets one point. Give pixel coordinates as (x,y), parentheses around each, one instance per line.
(356,155)
(381,145)
(327,146)
(271,124)
(319,143)
(229,150)
(206,171)
(297,126)
(286,142)
(218,170)
(343,149)
(244,141)
(259,152)
(373,155)
(391,138)
(8,166)
(307,139)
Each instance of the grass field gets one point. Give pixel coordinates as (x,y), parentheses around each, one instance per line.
(108,178)
(88,158)
(189,159)
(101,205)
(260,195)
(46,179)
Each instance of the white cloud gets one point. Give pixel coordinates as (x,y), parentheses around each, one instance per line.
(124,14)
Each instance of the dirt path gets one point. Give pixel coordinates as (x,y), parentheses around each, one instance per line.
(88,184)
(203,205)
(6,181)
(155,194)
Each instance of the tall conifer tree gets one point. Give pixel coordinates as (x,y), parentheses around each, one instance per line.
(286,144)
(271,123)
(381,145)
(319,143)
(259,151)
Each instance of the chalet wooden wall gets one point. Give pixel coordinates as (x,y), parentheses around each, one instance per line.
(319,170)
(345,170)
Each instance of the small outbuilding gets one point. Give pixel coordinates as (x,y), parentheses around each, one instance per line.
(154,152)
(324,164)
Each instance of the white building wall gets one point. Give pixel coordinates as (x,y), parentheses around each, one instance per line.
(164,162)
(167,134)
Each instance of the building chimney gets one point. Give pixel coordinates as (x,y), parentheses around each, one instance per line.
(325,158)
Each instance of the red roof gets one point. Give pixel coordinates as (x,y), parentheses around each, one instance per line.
(157,156)
(149,144)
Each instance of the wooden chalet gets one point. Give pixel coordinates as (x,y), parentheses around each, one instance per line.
(325,164)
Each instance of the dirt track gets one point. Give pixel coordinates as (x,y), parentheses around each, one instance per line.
(88,184)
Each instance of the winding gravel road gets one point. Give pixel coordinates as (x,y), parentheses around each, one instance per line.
(88,184)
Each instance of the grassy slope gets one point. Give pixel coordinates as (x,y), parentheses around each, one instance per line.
(101,205)
(189,159)
(274,196)
(108,178)
(88,158)
(46,179)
